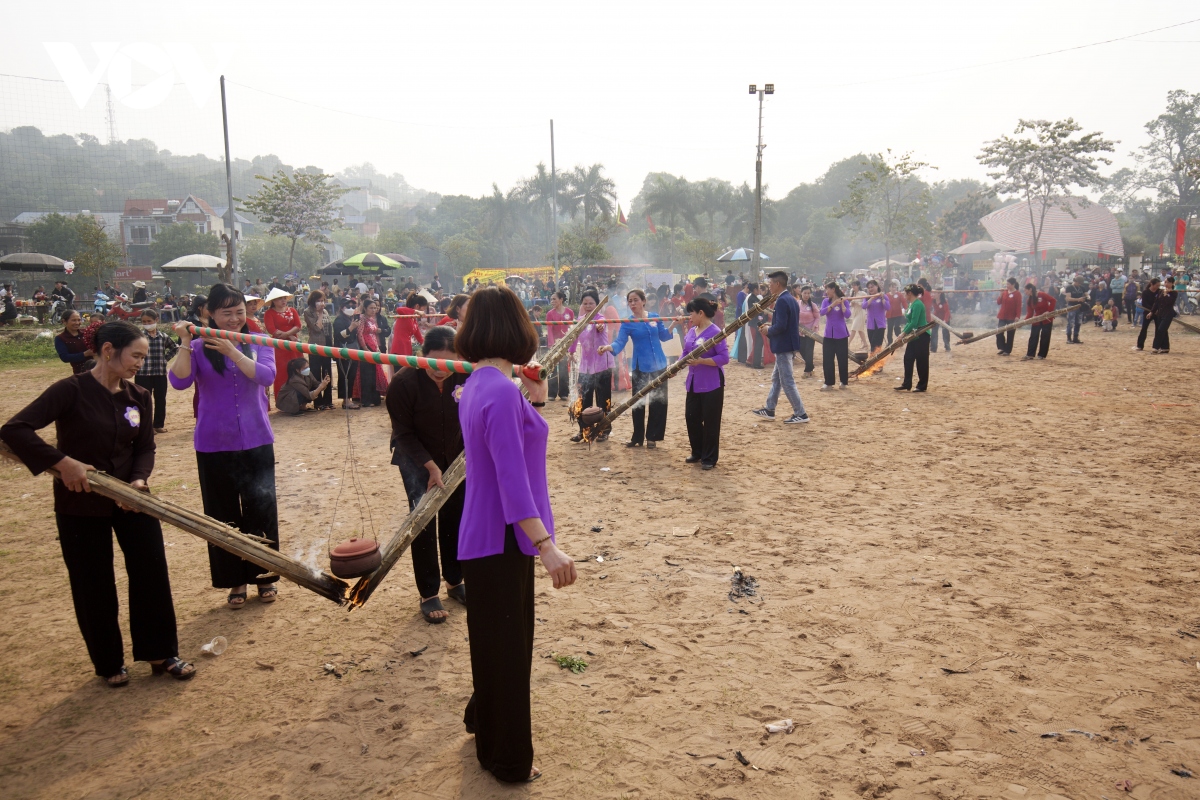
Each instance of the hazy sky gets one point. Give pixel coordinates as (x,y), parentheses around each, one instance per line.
(458,95)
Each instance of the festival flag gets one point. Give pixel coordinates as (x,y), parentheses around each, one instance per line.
(1160,250)
(1180,235)
(650,222)
(621,217)
(964,237)
(1044,252)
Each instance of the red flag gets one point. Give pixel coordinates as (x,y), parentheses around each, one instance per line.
(1180,235)
(1044,252)
(650,222)
(964,237)
(1160,250)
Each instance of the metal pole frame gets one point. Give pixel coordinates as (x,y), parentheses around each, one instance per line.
(233,262)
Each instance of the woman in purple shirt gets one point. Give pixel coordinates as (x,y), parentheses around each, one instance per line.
(235,447)
(705,383)
(595,368)
(506,522)
(835,308)
(876,304)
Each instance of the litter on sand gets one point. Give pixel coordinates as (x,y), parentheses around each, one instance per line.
(782,726)
(742,585)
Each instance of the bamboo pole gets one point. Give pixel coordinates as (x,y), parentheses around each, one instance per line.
(896,344)
(1020,324)
(1187,325)
(946,325)
(226,537)
(678,366)
(452,478)
(346,354)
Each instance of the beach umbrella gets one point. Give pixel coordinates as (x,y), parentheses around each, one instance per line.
(371,262)
(742,254)
(976,248)
(196,262)
(31,262)
(405,261)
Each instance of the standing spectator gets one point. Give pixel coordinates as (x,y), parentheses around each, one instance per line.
(153,374)
(139,291)
(560,318)
(810,316)
(1164,313)
(784,332)
(1075,294)
(370,378)
(647,332)
(319,327)
(916,352)
(1010,311)
(1039,335)
(345,334)
(454,309)
(408,325)
(939,306)
(281,322)
(896,309)
(70,345)
(595,367)
(706,382)
(858,319)
(835,308)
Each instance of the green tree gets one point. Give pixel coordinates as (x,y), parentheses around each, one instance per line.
(267,256)
(182,239)
(55,235)
(591,193)
(672,199)
(97,255)
(889,201)
(962,217)
(1041,167)
(714,199)
(503,219)
(538,192)
(1170,162)
(463,254)
(700,254)
(297,206)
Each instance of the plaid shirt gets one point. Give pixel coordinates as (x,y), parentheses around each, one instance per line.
(162,350)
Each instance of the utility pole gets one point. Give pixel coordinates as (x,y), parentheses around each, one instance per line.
(767,89)
(110,115)
(554,200)
(231,267)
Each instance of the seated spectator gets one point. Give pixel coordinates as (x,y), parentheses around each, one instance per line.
(300,389)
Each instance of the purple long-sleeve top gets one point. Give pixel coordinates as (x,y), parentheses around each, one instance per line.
(232,414)
(835,321)
(701,377)
(504,443)
(877,306)
(589,341)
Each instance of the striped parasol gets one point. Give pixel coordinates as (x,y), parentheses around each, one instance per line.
(1089,226)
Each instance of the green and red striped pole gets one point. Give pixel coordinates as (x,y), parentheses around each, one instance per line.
(532,372)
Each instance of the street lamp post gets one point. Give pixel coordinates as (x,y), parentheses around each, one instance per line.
(768,88)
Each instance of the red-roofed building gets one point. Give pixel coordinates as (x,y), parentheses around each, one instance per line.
(142,220)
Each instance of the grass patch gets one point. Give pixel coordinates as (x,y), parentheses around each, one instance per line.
(26,350)
(573,663)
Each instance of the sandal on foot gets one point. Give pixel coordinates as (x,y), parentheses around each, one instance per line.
(119,679)
(268,594)
(240,597)
(458,593)
(174,666)
(429,606)
(534,774)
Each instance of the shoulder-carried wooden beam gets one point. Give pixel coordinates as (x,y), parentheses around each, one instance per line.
(1019,324)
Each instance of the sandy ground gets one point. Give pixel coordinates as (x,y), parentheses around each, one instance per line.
(1029,524)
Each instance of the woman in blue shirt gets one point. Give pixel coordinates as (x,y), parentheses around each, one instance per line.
(647,363)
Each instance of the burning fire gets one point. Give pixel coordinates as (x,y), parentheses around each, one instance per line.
(575,410)
(592,433)
(877,366)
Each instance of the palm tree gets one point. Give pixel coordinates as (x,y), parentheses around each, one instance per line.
(671,198)
(589,192)
(713,197)
(741,217)
(503,218)
(538,192)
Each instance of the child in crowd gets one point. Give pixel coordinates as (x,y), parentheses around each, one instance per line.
(1109,317)
(1097,314)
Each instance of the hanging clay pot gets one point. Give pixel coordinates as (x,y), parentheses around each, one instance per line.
(355,558)
(591,416)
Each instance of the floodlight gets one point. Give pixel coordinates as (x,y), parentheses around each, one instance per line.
(770,88)
(753,88)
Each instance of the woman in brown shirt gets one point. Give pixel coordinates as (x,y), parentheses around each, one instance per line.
(320,331)
(102,420)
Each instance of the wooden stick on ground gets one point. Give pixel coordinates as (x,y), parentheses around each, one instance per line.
(1020,324)
(452,478)
(675,368)
(1187,325)
(896,344)
(217,533)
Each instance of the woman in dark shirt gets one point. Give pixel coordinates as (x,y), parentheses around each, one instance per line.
(426,438)
(102,422)
(69,344)
(1164,313)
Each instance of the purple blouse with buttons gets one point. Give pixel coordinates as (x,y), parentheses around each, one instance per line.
(835,320)
(232,414)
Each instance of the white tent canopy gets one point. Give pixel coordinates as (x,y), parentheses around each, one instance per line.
(197,262)
(1086,226)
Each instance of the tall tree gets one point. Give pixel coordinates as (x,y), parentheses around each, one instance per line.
(713,199)
(1042,162)
(297,206)
(963,217)
(671,199)
(1170,162)
(889,201)
(538,192)
(503,219)
(55,235)
(98,255)
(591,193)
(182,239)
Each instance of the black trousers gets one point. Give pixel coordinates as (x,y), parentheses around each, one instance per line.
(321,367)
(933,337)
(595,389)
(839,350)
(894,326)
(368,392)
(916,354)
(238,488)
(1162,335)
(741,347)
(157,384)
(345,382)
(559,380)
(88,553)
(500,627)
(702,412)
(1039,340)
(657,400)
(1004,341)
(1141,340)
(756,353)
(807,346)
(441,532)
(875,337)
